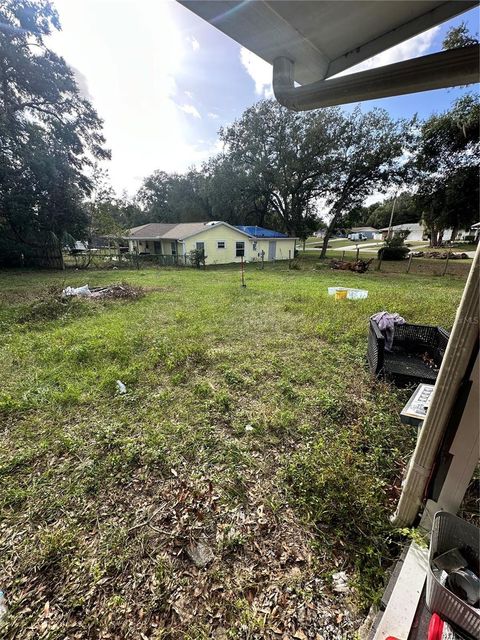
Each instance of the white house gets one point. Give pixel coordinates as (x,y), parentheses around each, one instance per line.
(220,242)
(475,230)
(417,232)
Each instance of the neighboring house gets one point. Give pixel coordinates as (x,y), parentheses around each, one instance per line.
(370,233)
(221,242)
(416,232)
(475,230)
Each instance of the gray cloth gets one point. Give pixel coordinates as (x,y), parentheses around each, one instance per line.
(386,323)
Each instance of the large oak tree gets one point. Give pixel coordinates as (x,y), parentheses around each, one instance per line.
(50,137)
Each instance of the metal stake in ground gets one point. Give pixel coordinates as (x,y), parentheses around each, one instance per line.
(446,263)
(410,261)
(242,271)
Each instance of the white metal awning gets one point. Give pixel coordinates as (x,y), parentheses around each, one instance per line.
(308,42)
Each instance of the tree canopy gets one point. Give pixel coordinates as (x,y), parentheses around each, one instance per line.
(281,169)
(446,165)
(50,136)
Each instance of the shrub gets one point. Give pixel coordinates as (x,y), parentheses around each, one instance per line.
(197,258)
(394,249)
(393,253)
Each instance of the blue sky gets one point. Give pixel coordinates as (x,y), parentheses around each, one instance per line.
(165,81)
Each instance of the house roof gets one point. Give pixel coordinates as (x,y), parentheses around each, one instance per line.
(411,226)
(360,229)
(164,231)
(160,230)
(260,232)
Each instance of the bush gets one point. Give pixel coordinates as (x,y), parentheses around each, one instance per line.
(394,249)
(197,258)
(393,253)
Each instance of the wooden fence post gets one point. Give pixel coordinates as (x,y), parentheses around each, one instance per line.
(358,250)
(343,255)
(379,265)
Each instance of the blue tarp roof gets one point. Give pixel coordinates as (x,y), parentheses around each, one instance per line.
(260,232)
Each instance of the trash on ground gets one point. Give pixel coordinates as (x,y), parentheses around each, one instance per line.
(113,291)
(200,554)
(80,292)
(3,606)
(340,582)
(121,387)
(351,294)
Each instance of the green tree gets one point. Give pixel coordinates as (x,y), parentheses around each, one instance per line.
(105,217)
(447,160)
(284,156)
(50,137)
(406,210)
(235,193)
(173,197)
(460,36)
(368,157)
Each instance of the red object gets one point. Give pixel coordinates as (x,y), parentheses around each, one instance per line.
(435,628)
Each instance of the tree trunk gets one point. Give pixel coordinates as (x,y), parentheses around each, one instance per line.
(326,238)
(454,234)
(337,209)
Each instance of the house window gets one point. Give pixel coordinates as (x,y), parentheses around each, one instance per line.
(221,244)
(240,249)
(201,247)
(174,248)
(146,245)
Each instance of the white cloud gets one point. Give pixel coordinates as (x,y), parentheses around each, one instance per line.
(213,116)
(194,43)
(191,110)
(134,89)
(189,94)
(417,46)
(259,70)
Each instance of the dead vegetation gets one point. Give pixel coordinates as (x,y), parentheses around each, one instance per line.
(52,304)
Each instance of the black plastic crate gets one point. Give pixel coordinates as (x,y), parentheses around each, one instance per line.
(417,353)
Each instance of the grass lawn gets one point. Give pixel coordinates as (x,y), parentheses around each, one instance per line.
(251,438)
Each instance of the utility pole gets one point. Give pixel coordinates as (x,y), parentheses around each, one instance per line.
(391,216)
